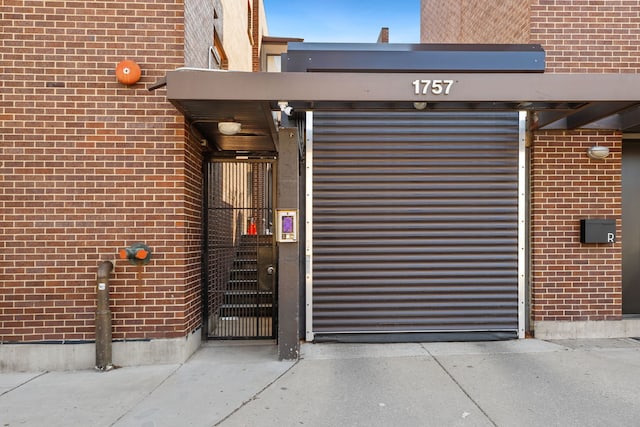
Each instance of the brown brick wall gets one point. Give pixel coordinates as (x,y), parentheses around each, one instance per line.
(193,231)
(89,166)
(255,36)
(592,36)
(574,281)
(474,21)
(570,280)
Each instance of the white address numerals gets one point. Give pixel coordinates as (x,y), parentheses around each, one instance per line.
(436,87)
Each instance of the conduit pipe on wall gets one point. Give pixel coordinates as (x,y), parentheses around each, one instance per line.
(103,318)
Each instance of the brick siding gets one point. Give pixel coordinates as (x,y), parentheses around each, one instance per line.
(594,36)
(89,166)
(474,21)
(588,36)
(570,281)
(255,36)
(574,281)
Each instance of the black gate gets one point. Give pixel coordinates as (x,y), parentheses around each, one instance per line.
(240,292)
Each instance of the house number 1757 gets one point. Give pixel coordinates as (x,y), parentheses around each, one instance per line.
(436,87)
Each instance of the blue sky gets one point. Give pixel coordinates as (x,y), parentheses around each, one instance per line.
(347,21)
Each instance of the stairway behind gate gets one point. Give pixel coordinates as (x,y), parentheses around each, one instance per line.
(240,294)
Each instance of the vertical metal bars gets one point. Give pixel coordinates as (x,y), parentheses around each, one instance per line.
(240,302)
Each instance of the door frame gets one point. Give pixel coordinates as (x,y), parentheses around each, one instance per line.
(627,140)
(522,227)
(206,246)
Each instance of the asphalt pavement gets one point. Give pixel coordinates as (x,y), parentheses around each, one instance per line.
(504,383)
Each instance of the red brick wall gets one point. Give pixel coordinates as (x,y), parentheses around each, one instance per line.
(193,222)
(574,281)
(89,166)
(474,21)
(571,281)
(594,36)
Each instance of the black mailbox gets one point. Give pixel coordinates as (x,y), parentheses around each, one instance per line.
(597,230)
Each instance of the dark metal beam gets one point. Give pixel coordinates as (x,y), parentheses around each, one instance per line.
(546,119)
(630,119)
(600,115)
(627,120)
(562,101)
(288,253)
(560,124)
(594,112)
(243,86)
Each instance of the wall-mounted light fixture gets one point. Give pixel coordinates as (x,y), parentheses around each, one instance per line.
(419,105)
(229,127)
(598,152)
(285,107)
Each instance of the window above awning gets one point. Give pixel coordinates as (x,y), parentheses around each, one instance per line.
(559,101)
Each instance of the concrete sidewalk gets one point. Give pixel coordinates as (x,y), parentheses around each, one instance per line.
(214,382)
(509,383)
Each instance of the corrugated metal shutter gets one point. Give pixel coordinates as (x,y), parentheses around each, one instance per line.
(415,222)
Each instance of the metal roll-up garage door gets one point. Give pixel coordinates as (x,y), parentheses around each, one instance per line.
(415,225)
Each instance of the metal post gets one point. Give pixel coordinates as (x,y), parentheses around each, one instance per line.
(309,227)
(103,318)
(288,253)
(522,223)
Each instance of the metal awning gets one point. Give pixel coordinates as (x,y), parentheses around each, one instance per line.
(559,101)
(420,57)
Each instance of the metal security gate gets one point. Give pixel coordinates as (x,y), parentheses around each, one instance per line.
(240,275)
(415,226)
